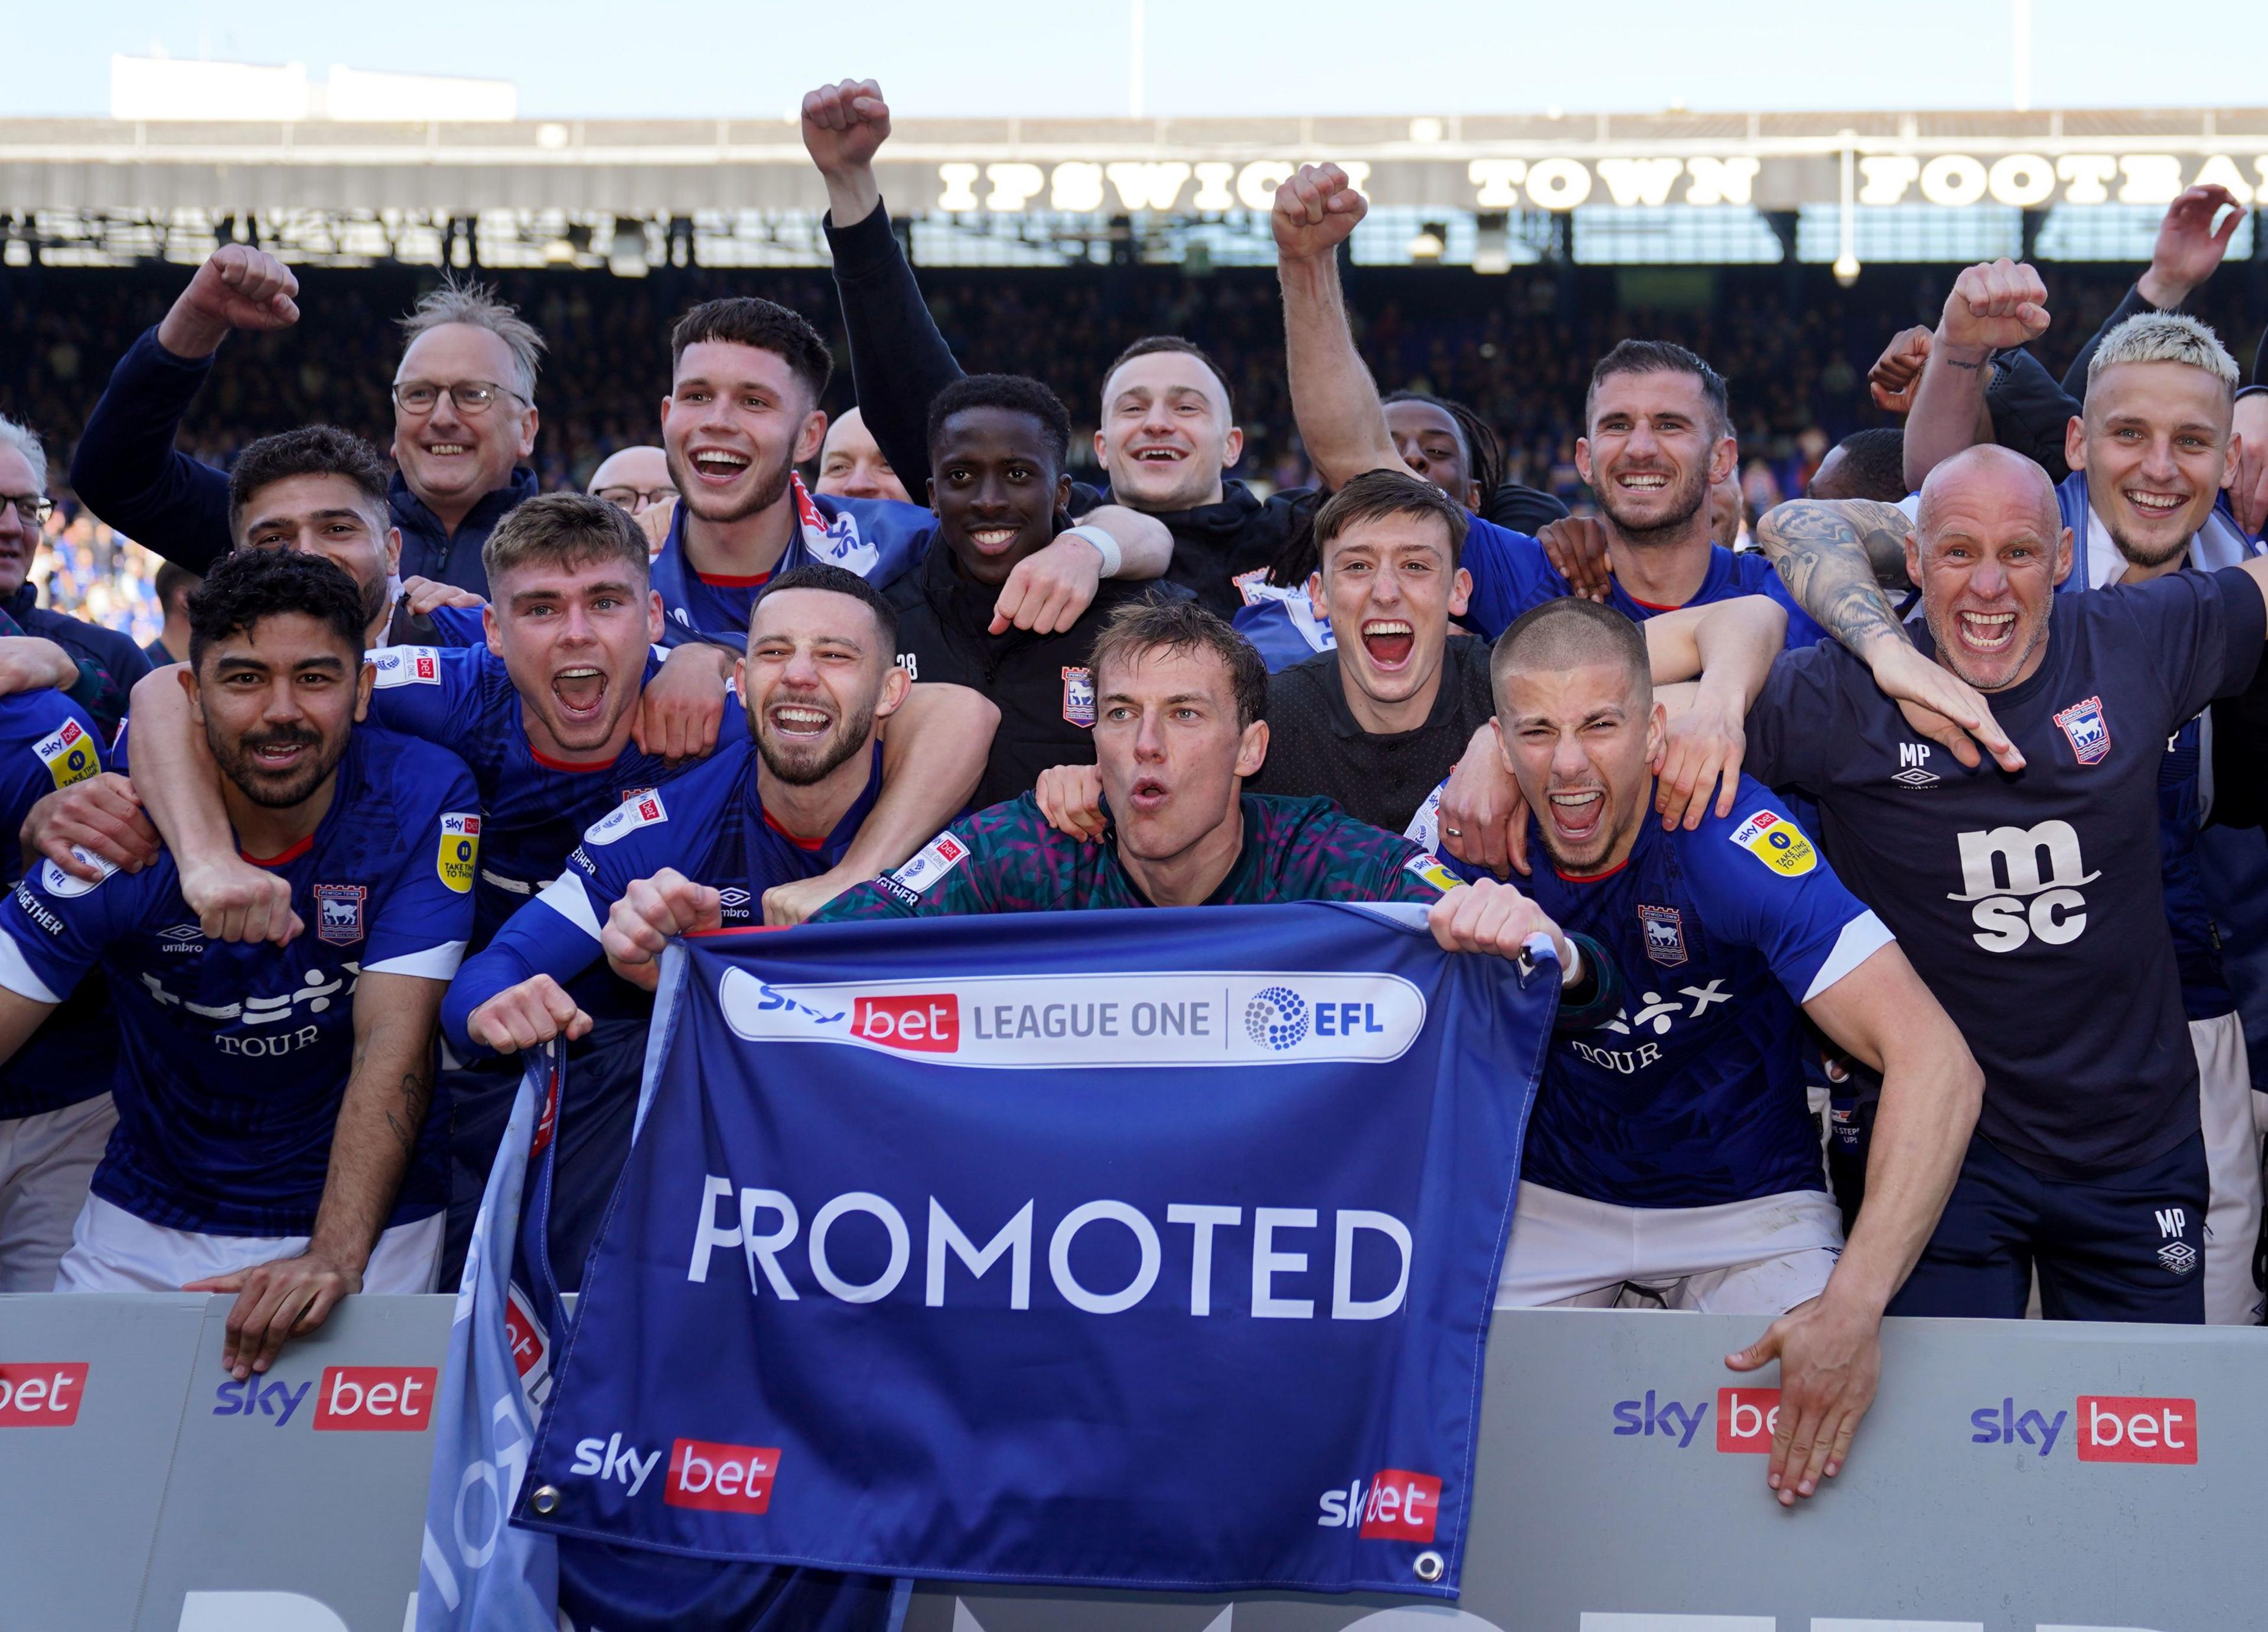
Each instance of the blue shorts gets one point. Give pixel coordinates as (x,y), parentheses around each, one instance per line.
(2126,1246)
(604,1070)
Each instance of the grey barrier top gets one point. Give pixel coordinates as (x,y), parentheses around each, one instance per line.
(2013,1477)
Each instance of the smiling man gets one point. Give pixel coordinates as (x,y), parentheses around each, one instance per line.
(2029,896)
(464,418)
(272,1139)
(1375,723)
(999,444)
(851,466)
(782,802)
(742,412)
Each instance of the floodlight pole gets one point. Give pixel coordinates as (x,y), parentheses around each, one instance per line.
(1134,62)
(2022,28)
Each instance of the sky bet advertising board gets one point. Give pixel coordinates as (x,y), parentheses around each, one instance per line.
(1149,1248)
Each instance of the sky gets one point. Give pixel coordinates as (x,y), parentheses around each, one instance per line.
(755,58)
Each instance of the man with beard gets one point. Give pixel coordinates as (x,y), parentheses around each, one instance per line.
(2031,897)
(784,803)
(543,713)
(742,412)
(272,1139)
(1671,1159)
(464,418)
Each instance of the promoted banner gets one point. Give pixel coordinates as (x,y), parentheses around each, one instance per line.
(1142,1248)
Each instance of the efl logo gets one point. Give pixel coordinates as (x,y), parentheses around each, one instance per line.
(360,1398)
(1403,1506)
(1747,1418)
(926,1022)
(720,1478)
(2120,1427)
(41,1395)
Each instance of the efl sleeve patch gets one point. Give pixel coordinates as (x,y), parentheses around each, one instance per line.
(70,755)
(1778,842)
(631,815)
(62,885)
(460,849)
(1427,868)
(939,856)
(405,666)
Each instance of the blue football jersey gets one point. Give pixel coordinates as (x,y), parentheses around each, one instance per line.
(1511,576)
(533,809)
(708,823)
(1694,1095)
(233,1058)
(877,539)
(48,742)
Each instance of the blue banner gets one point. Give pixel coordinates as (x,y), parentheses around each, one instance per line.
(1149,1248)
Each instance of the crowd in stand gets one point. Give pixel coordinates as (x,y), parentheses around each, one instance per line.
(1904,871)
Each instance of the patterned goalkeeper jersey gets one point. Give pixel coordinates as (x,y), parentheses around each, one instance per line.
(1010,859)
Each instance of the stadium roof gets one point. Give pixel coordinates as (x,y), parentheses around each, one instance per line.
(1769,161)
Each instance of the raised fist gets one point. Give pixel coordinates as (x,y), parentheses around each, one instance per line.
(1993,306)
(238,286)
(844,125)
(1315,210)
(1898,370)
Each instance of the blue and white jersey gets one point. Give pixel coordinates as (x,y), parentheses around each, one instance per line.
(1511,575)
(2184,778)
(533,808)
(48,742)
(708,823)
(877,539)
(1693,1096)
(233,1058)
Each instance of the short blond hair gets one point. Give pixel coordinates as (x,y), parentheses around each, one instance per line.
(2165,337)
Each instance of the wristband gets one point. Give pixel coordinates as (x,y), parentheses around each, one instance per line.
(1104,543)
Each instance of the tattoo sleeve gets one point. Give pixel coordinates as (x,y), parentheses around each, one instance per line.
(1832,556)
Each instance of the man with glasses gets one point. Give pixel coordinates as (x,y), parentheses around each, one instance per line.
(634,478)
(96,666)
(464,418)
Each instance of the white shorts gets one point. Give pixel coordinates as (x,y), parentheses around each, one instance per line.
(46,1162)
(113,1251)
(2232,1159)
(1762,1257)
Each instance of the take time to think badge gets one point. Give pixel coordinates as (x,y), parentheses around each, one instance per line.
(461,849)
(1778,842)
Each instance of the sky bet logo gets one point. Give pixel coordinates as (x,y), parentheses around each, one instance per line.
(1037,1021)
(1398,1505)
(349,1399)
(43,1395)
(2105,1427)
(1746,1418)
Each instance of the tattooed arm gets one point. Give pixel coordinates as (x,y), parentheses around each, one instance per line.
(389,1089)
(1830,555)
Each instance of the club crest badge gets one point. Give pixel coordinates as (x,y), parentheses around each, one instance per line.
(2088,731)
(1665,935)
(338,913)
(1078,696)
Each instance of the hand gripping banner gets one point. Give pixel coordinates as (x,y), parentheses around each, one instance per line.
(1146,1248)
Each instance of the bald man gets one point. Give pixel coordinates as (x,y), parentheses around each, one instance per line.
(2028,893)
(851,466)
(634,478)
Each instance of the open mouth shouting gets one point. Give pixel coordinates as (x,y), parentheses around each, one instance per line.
(1578,816)
(581,693)
(1987,634)
(719,468)
(1388,641)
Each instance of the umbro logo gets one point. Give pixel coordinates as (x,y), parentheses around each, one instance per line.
(180,933)
(1913,760)
(733,898)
